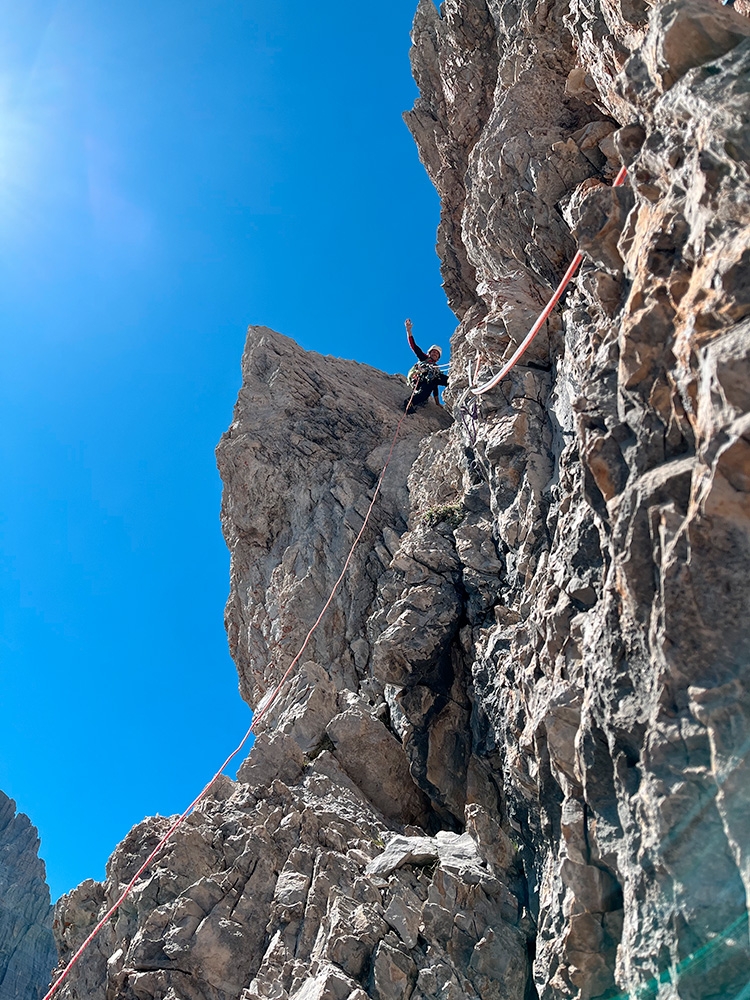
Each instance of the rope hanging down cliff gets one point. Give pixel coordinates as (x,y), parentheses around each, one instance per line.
(478,390)
(269,700)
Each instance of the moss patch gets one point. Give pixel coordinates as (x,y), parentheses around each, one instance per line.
(450,513)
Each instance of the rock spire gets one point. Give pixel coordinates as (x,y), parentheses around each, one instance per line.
(27,948)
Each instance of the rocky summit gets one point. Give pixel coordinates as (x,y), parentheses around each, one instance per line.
(513,760)
(27,948)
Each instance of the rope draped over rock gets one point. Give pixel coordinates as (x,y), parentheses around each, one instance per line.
(270,700)
(478,390)
(264,709)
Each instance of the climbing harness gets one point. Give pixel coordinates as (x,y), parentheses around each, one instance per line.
(478,390)
(268,702)
(421,374)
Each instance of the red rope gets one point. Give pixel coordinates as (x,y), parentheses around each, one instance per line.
(256,719)
(543,316)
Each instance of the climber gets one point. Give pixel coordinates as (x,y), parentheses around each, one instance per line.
(424,377)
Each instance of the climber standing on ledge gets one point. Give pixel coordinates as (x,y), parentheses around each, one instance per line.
(424,377)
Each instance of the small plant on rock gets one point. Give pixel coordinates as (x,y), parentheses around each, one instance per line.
(451,513)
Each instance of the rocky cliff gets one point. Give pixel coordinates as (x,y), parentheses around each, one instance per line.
(514,761)
(27,948)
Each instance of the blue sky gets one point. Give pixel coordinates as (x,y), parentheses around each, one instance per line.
(169,173)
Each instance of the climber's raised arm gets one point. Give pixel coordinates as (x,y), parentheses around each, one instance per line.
(425,377)
(412,343)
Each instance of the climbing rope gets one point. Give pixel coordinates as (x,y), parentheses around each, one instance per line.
(256,719)
(478,390)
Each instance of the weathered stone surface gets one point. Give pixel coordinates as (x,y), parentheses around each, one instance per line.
(27,948)
(300,463)
(602,620)
(360,740)
(514,759)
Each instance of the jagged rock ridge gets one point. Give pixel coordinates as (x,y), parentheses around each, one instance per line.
(27,948)
(514,762)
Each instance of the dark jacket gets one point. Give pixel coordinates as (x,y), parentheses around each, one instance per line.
(434,384)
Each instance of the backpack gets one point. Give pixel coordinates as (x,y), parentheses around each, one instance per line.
(421,373)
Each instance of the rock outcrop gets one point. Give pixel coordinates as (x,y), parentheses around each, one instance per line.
(27,948)
(622,606)
(514,760)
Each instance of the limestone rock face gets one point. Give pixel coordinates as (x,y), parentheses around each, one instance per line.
(300,463)
(622,603)
(513,760)
(27,948)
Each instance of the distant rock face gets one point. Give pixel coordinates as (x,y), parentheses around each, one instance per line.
(513,762)
(27,948)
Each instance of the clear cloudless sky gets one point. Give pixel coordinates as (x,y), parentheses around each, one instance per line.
(169,173)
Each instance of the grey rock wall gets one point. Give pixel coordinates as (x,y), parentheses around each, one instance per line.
(300,462)
(27,948)
(513,761)
(624,536)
